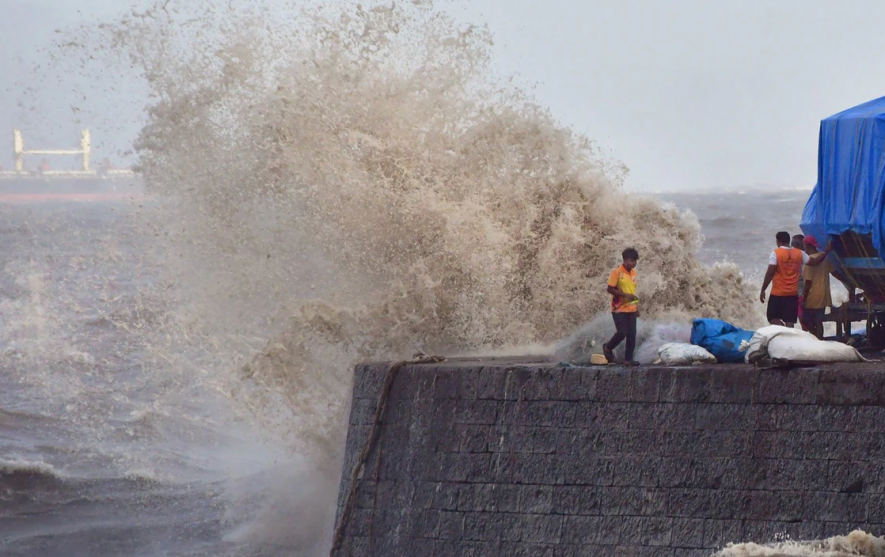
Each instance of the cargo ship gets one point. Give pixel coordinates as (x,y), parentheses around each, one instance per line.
(87,183)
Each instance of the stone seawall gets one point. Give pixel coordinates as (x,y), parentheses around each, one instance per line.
(518,459)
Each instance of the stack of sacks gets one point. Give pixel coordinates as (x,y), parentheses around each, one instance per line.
(681,354)
(725,341)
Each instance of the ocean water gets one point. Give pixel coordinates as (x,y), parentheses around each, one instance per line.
(739,225)
(325,184)
(110,447)
(106,447)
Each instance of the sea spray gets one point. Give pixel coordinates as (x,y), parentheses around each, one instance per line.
(857,543)
(354,182)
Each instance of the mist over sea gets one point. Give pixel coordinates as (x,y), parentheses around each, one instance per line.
(111,445)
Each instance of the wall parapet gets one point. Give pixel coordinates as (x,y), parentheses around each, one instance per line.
(517,458)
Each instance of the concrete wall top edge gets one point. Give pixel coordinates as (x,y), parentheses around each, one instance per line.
(845,384)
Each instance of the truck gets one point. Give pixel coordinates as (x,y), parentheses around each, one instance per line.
(847,206)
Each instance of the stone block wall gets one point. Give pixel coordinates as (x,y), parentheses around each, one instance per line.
(538,460)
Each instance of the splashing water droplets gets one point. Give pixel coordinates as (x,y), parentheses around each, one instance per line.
(857,543)
(356,182)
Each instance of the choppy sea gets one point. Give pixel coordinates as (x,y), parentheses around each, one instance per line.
(104,453)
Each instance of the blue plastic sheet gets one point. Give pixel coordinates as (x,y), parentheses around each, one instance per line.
(719,338)
(850,188)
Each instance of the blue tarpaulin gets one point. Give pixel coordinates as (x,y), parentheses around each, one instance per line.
(850,189)
(719,338)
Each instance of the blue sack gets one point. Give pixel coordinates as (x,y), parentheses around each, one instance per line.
(719,338)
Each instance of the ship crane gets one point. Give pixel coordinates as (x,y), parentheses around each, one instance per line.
(84,152)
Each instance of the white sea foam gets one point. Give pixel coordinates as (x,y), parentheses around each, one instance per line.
(12,466)
(857,543)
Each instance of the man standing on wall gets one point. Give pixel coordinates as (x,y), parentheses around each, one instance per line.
(784,268)
(625,306)
(817,290)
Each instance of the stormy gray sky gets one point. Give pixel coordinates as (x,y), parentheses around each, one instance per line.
(688,93)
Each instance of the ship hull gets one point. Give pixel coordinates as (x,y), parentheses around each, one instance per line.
(26,190)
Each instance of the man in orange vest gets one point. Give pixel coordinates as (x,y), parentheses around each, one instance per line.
(784,272)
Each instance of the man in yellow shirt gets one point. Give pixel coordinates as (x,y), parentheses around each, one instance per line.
(817,296)
(625,306)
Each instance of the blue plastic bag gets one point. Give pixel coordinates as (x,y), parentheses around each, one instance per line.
(719,338)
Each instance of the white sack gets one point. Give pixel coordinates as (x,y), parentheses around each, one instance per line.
(794,345)
(682,354)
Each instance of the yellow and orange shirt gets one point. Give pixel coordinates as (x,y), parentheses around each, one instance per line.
(625,281)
